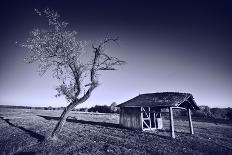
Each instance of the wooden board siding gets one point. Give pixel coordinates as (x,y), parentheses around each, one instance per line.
(130,118)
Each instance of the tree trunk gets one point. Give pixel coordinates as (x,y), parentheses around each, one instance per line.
(61,121)
(72,105)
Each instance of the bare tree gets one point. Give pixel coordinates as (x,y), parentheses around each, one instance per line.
(57,49)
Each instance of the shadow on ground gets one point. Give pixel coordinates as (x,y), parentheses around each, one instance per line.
(74,120)
(179,132)
(103,124)
(39,137)
(25,153)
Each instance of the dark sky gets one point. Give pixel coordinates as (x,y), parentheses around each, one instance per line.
(182,46)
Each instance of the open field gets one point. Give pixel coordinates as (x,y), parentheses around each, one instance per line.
(26,131)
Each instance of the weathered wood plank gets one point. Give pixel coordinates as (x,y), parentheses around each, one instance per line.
(190,121)
(130,118)
(171,122)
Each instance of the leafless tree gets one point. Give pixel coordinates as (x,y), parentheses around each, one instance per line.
(57,49)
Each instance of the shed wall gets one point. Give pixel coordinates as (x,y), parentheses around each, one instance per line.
(130,118)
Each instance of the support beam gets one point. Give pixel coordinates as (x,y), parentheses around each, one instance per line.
(179,108)
(171,122)
(190,122)
(142,117)
(149,117)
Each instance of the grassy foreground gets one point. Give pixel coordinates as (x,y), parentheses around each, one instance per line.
(25,131)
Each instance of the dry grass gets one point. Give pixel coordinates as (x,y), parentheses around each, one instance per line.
(27,131)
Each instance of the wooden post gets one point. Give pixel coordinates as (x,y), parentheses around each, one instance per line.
(155,122)
(149,117)
(141,117)
(190,121)
(171,122)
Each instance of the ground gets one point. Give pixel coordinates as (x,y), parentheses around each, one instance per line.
(24,131)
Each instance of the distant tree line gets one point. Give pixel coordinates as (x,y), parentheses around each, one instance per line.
(204,112)
(216,113)
(101,109)
(208,113)
(28,107)
(97,108)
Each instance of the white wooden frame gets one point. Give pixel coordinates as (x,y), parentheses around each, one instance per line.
(148,114)
(172,122)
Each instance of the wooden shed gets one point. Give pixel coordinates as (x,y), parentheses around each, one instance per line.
(143,112)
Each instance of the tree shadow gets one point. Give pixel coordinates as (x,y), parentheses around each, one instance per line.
(183,133)
(39,137)
(176,131)
(103,124)
(166,133)
(159,134)
(74,120)
(25,153)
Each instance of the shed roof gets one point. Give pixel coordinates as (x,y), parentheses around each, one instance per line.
(164,99)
